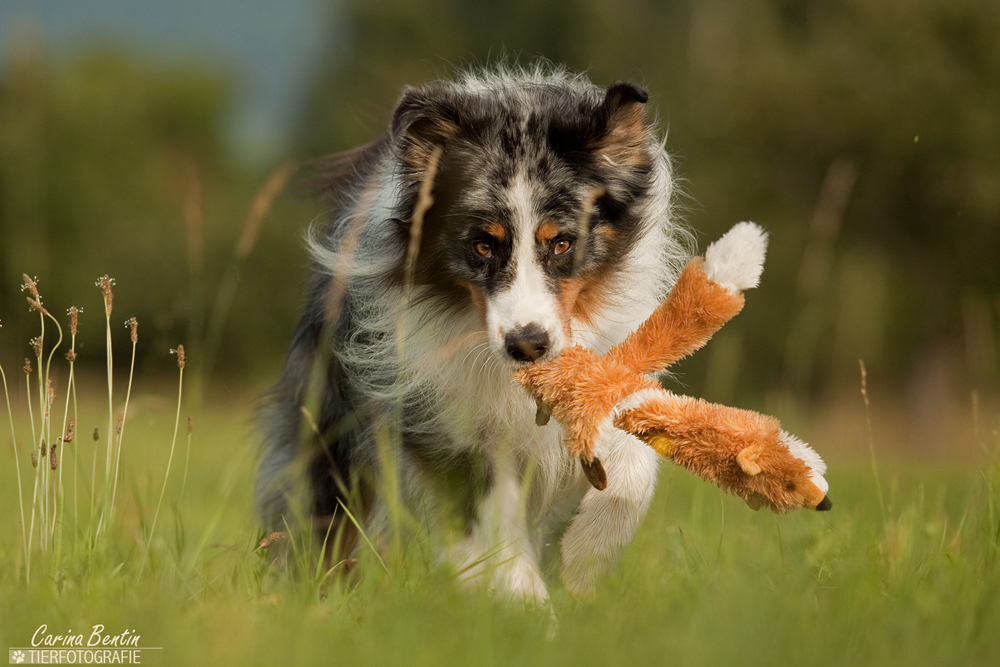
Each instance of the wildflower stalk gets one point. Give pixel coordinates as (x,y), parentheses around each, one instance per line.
(187,459)
(106,283)
(41,443)
(43,435)
(181,363)
(71,391)
(17,465)
(133,325)
(93,476)
(34,463)
(67,437)
(55,449)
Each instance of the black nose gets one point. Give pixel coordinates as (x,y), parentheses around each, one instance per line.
(527,343)
(824,505)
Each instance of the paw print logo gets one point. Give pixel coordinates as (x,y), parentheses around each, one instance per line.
(18,657)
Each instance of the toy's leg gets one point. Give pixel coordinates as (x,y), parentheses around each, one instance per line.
(706,295)
(608,519)
(500,546)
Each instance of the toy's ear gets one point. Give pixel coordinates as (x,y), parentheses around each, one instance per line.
(756,501)
(747,458)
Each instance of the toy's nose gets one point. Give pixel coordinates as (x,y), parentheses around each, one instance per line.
(824,505)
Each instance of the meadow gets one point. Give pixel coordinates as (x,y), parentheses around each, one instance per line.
(863,135)
(904,570)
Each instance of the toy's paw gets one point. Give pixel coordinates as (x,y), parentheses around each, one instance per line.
(736,260)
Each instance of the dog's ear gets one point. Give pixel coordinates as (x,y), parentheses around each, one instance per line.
(424,119)
(624,129)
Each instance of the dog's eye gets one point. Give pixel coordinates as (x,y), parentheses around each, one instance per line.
(484,249)
(561,246)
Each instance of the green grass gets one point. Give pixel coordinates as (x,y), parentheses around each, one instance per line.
(706,582)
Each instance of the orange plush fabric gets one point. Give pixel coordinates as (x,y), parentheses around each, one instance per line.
(719,443)
(743,452)
(681,325)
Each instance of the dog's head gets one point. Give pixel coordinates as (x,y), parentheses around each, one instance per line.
(538,195)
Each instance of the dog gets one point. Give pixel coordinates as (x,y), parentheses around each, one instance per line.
(503,216)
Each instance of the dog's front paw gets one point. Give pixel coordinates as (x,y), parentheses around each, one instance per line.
(580,580)
(736,260)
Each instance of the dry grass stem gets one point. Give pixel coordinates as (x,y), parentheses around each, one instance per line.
(871,436)
(583,228)
(424,202)
(261,205)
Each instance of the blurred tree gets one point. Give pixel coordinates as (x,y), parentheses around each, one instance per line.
(865,136)
(898,102)
(91,157)
(388,44)
(113,164)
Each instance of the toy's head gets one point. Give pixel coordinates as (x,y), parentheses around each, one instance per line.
(782,477)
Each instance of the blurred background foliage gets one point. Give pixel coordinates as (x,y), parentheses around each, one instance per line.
(865,136)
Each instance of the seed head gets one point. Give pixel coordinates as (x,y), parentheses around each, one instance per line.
(181,359)
(74,319)
(71,356)
(53,461)
(121,422)
(27,366)
(31,286)
(69,434)
(34,459)
(36,344)
(36,304)
(106,283)
(44,448)
(190,425)
(97,433)
(271,539)
(133,324)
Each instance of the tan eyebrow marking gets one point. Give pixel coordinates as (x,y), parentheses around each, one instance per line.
(496,230)
(546,233)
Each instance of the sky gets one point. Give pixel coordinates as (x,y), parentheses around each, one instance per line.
(267,46)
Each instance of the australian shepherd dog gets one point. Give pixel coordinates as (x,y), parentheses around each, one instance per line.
(502,217)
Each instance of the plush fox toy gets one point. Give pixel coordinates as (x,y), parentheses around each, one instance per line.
(743,452)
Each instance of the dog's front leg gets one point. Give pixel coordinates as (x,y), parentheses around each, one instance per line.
(499,548)
(607,520)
